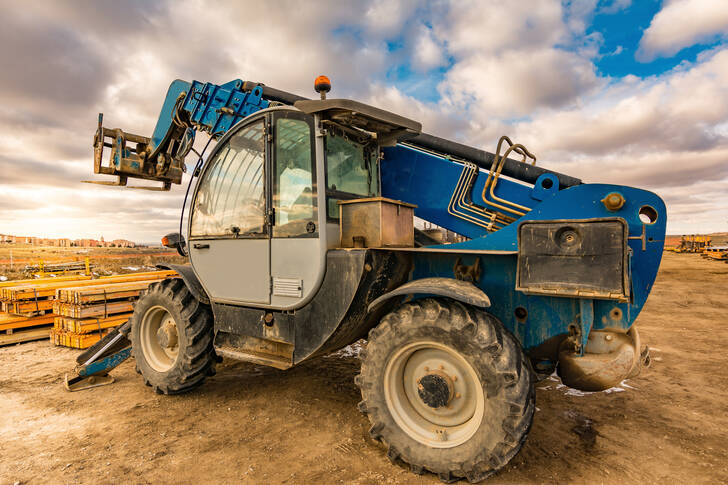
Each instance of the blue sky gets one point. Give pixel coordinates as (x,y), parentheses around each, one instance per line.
(622,31)
(619,91)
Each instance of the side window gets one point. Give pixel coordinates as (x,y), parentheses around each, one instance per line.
(231,196)
(294,185)
(351,171)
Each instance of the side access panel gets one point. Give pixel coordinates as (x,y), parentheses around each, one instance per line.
(586,258)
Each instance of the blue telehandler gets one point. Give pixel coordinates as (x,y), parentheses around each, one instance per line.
(303,237)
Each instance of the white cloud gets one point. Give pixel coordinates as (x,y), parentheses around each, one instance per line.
(473,27)
(515,83)
(428,53)
(680,24)
(674,112)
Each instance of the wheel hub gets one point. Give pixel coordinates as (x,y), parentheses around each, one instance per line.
(436,389)
(167,335)
(159,338)
(434,394)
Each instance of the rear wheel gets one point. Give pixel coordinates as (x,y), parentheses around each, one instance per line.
(171,334)
(447,389)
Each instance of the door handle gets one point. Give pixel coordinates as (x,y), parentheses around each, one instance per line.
(201,246)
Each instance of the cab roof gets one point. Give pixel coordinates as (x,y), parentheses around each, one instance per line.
(390,128)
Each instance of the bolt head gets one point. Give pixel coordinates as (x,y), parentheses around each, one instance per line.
(613,201)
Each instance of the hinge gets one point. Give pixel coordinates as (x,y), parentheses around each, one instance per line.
(271,217)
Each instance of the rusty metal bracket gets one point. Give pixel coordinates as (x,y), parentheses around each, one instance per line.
(586,321)
(642,237)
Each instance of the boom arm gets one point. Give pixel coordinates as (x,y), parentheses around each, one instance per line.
(214,109)
(187,108)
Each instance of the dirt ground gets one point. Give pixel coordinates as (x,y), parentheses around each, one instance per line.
(251,424)
(104,261)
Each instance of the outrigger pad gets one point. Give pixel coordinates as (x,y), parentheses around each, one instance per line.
(80,383)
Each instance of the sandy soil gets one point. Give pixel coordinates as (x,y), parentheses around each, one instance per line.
(252,424)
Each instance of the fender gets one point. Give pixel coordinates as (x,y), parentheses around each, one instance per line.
(190,279)
(462,291)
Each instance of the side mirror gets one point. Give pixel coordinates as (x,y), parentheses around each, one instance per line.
(177,241)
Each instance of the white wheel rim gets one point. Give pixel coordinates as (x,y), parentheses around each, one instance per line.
(438,427)
(160,358)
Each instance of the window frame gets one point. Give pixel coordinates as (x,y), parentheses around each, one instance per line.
(296,115)
(221,144)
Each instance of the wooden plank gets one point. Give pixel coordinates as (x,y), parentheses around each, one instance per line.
(31,292)
(36,281)
(24,322)
(76,341)
(76,311)
(25,336)
(89,325)
(95,293)
(28,307)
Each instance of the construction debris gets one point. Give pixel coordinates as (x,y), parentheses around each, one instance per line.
(42,268)
(691,244)
(718,253)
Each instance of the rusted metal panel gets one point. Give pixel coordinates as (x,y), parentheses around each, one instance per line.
(376,222)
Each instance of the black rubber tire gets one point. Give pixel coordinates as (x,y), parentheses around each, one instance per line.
(495,355)
(196,357)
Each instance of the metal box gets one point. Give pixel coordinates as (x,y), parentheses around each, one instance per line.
(376,222)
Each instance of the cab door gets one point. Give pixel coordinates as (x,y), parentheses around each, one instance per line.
(296,247)
(229,239)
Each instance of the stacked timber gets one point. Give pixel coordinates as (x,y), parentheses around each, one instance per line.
(15,329)
(84,314)
(28,306)
(17,324)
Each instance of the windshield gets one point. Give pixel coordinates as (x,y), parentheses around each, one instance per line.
(351,171)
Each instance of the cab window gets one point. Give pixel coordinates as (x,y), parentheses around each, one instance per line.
(231,198)
(351,170)
(294,185)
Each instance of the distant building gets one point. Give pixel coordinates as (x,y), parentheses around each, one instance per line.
(122,243)
(66,242)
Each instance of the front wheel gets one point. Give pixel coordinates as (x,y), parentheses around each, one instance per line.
(447,389)
(171,336)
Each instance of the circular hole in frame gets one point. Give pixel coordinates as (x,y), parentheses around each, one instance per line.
(647,214)
(520,313)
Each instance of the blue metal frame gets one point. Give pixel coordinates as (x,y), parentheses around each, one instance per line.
(409,174)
